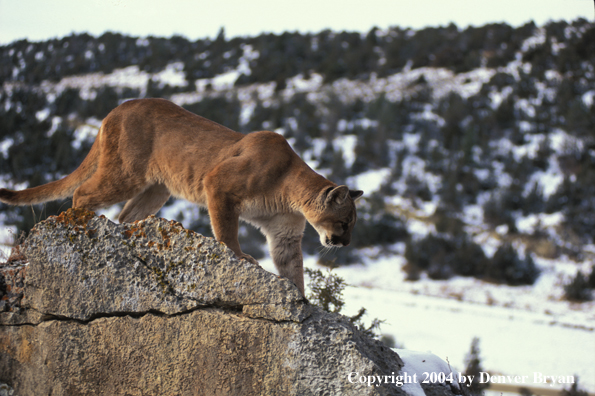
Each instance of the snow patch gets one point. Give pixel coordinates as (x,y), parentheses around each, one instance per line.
(548,181)
(347,144)
(529,224)
(56,121)
(130,77)
(5,145)
(172,75)
(299,84)
(42,115)
(537,39)
(588,98)
(498,97)
(369,181)
(561,142)
(86,132)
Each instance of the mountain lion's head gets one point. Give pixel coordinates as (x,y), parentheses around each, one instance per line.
(335,216)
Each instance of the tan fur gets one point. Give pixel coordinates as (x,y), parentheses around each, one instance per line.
(147,149)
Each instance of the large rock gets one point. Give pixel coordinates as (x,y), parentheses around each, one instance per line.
(94,308)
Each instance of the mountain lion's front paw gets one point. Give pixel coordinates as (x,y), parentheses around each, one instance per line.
(248,257)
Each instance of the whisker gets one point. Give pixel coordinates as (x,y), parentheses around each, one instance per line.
(322,251)
(326,250)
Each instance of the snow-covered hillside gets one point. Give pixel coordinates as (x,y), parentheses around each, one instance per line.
(474,147)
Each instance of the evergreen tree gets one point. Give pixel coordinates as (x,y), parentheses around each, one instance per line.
(473,368)
(574,390)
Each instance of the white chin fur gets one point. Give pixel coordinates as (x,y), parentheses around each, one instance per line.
(323,242)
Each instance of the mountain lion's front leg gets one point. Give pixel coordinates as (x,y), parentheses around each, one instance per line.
(284,237)
(225,219)
(287,256)
(225,224)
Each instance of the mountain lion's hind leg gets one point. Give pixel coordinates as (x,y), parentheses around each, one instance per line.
(103,190)
(144,204)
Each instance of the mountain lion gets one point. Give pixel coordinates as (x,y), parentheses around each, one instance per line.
(149,149)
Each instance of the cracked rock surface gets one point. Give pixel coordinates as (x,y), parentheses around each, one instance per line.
(83,267)
(88,307)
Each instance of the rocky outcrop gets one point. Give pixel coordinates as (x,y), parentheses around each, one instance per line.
(94,308)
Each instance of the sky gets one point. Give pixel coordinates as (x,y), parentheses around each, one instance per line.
(39,20)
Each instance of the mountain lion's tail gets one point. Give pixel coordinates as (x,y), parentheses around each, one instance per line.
(58,189)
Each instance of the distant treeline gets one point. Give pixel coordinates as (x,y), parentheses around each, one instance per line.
(332,54)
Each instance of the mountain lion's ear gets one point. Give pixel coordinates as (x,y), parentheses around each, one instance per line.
(355,194)
(337,195)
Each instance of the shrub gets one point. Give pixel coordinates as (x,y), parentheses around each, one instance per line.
(443,256)
(413,272)
(506,266)
(525,392)
(469,259)
(578,289)
(499,209)
(592,277)
(389,341)
(447,223)
(380,229)
(421,253)
(327,293)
